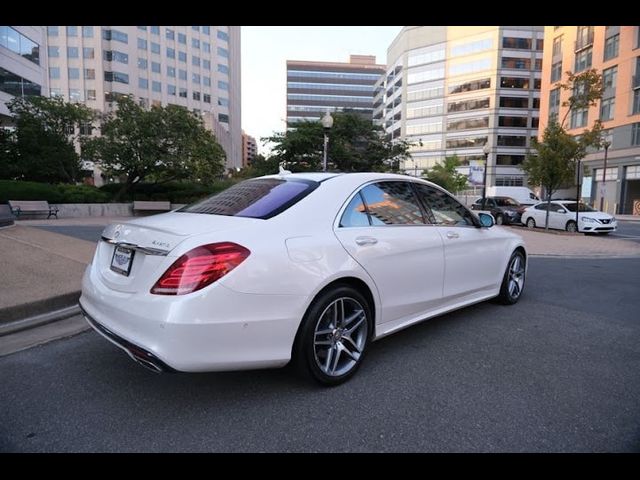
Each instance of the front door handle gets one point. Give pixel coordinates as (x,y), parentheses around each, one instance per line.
(452,235)
(366,241)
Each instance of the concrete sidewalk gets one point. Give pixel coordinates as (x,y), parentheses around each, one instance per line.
(43,270)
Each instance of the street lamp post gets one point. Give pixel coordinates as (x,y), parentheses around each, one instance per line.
(606,144)
(327,123)
(486,150)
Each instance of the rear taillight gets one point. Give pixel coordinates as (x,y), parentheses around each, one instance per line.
(200,267)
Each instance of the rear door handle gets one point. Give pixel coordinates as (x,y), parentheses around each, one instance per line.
(366,241)
(452,235)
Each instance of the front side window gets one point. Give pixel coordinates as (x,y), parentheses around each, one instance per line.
(261,198)
(445,209)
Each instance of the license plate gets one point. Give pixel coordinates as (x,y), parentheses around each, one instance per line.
(122,260)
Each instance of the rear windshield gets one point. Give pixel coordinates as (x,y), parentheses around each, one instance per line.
(260,198)
(506,202)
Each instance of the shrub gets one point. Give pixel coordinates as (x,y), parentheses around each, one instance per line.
(64,193)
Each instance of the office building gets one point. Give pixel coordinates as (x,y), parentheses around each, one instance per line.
(249,149)
(614,51)
(197,67)
(451,90)
(22,65)
(314,88)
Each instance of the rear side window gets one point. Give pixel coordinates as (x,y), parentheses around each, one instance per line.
(261,198)
(391,203)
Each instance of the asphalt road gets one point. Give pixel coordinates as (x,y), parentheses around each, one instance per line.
(558,372)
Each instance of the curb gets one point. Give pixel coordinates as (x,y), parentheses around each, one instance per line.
(38,308)
(8,328)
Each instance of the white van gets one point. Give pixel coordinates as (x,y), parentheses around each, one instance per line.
(522,194)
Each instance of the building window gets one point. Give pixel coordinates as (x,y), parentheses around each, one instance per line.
(206,98)
(223,102)
(182,74)
(509,159)
(75,96)
(142,27)
(52,30)
(512,141)
(223,68)
(195,43)
(516,43)
(464,105)
(89,74)
(171,53)
(87,32)
(54,52)
(611,47)
(74,73)
(143,83)
(54,72)
(468,123)
(196,28)
(115,35)
(72,31)
(195,61)
(636,102)
(171,90)
(514,102)
(155,67)
(535,122)
(156,86)
(182,38)
(583,59)
(116,77)
(114,56)
(515,122)
(223,52)
(516,63)
(579,117)
(196,96)
(206,29)
(223,85)
(223,35)
(206,47)
(142,63)
(513,82)
(607,107)
(182,57)
(206,81)
(155,48)
(171,72)
(170,34)
(195,78)
(182,92)
(223,117)
(554,104)
(91,94)
(585,37)
(155,30)
(142,44)
(72,52)
(556,71)
(88,52)
(557,46)
(206,64)
(470,86)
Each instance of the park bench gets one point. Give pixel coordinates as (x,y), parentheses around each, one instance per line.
(6,216)
(21,207)
(151,206)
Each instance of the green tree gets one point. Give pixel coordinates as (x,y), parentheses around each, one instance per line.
(43,146)
(159,144)
(446,175)
(556,158)
(355,145)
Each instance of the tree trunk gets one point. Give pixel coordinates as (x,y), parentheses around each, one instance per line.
(546,221)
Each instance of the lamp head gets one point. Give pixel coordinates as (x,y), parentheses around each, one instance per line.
(327,120)
(486,149)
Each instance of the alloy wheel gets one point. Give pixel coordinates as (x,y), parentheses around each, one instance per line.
(516,276)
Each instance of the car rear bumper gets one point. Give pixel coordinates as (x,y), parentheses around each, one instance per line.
(214,329)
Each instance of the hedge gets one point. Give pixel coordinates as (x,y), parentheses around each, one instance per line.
(19,190)
(175,192)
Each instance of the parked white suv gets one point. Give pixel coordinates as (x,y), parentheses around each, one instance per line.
(562,216)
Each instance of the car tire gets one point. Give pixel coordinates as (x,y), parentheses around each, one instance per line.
(331,344)
(499,219)
(531,223)
(513,280)
(571,226)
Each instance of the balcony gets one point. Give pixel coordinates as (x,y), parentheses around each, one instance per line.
(584,42)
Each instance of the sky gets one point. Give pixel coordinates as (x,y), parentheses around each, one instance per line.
(265,51)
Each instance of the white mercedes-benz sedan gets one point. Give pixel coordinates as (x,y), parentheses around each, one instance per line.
(310,267)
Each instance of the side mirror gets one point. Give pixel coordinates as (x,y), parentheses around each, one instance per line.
(486,220)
